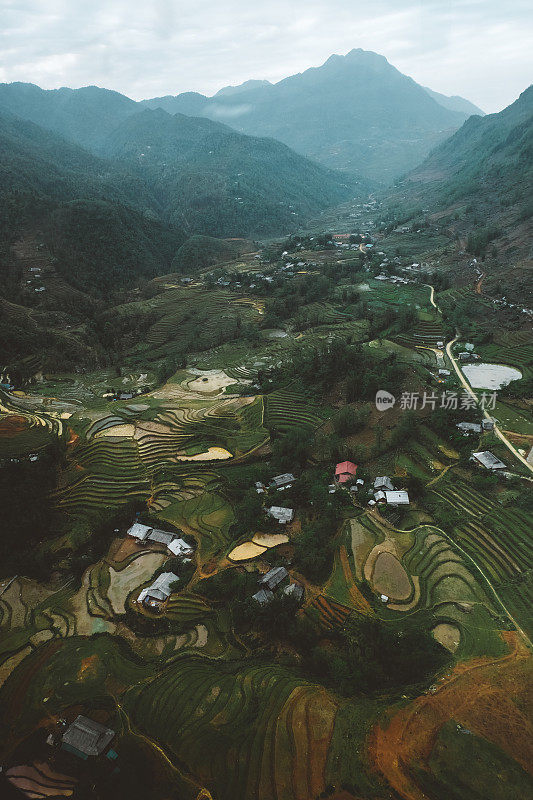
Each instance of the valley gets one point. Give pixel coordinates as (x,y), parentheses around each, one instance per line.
(266,449)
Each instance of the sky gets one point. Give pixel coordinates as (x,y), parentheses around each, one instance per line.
(480,49)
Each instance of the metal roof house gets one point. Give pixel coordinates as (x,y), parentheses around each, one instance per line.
(400,498)
(487,424)
(383,483)
(294,590)
(263,596)
(284,481)
(345,471)
(283,515)
(143,533)
(159,591)
(273,577)
(469,427)
(84,737)
(488,460)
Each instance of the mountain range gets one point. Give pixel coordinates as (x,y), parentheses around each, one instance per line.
(356,112)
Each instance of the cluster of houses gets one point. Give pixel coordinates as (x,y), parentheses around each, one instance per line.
(468,353)
(278,484)
(384,492)
(383,488)
(277,581)
(126,395)
(174,544)
(154,597)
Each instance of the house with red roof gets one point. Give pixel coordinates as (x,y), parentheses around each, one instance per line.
(345,472)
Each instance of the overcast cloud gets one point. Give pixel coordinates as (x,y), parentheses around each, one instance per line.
(480,49)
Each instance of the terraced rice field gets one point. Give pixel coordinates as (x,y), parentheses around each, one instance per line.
(518,355)
(398,295)
(266,732)
(498,539)
(182,310)
(425,334)
(285,409)
(186,608)
(435,579)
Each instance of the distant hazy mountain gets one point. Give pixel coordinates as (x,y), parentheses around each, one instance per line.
(84,115)
(355,112)
(455,103)
(243,87)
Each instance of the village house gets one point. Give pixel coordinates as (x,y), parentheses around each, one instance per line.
(294,590)
(398,498)
(345,472)
(464,356)
(383,483)
(173,543)
(488,460)
(272,579)
(84,737)
(263,597)
(487,424)
(281,482)
(156,595)
(283,515)
(469,427)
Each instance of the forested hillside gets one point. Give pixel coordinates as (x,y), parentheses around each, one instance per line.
(198,174)
(486,167)
(88,212)
(213,180)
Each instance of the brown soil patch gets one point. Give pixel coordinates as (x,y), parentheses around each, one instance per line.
(122,548)
(12,424)
(390,578)
(39,781)
(306,720)
(484,695)
(449,636)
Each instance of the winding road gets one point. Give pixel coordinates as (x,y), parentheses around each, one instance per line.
(466,386)
(471,392)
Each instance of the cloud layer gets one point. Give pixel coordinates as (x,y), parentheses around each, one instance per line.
(480,49)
